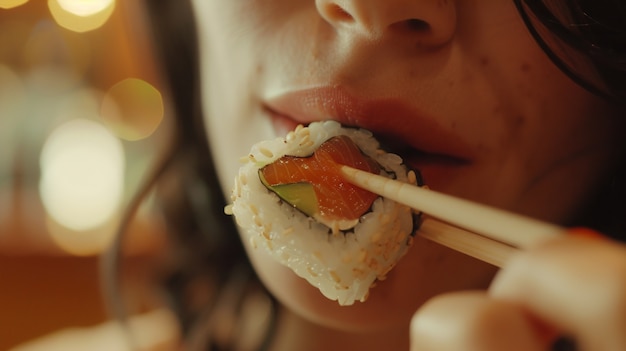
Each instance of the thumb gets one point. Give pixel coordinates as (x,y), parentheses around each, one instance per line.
(473,321)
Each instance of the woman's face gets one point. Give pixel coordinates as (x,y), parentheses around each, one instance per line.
(459,88)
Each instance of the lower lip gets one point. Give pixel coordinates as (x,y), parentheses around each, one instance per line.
(282,124)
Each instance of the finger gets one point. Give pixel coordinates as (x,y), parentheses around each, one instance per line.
(577,285)
(473,321)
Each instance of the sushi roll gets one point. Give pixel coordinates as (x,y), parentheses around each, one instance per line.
(290,200)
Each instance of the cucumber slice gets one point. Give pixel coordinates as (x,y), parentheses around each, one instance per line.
(300,195)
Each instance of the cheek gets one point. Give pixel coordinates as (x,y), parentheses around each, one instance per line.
(233,116)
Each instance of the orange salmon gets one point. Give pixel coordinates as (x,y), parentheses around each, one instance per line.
(336,198)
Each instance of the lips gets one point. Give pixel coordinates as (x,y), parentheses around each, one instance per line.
(419,139)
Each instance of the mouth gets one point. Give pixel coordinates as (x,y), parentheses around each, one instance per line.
(421,141)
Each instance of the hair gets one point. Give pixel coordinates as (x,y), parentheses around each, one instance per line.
(586,39)
(207,269)
(206,249)
(591,31)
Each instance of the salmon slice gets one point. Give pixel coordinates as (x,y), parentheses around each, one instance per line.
(336,198)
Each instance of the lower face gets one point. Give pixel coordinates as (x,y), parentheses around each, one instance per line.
(532,141)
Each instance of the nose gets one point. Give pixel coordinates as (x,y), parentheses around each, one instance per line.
(427,22)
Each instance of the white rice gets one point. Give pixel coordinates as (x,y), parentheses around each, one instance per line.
(342,265)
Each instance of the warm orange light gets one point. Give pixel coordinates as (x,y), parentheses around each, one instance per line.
(133,109)
(81,15)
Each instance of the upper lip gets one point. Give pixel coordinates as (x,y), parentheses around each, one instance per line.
(402,128)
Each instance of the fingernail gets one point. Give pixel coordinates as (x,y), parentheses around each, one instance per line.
(586,233)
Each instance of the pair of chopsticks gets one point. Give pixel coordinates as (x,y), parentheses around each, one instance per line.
(486,233)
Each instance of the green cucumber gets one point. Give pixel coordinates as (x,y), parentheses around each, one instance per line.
(300,195)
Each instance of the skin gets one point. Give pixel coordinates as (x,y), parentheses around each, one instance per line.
(533,141)
(571,286)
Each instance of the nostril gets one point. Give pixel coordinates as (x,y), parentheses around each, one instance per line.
(416,25)
(337,12)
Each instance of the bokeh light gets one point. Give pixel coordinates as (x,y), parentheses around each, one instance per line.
(82,175)
(133,109)
(65,175)
(9,4)
(85,8)
(81,15)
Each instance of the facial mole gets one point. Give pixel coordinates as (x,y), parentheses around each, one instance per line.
(525,67)
(484,61)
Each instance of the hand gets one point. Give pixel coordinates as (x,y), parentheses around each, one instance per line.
(573,287)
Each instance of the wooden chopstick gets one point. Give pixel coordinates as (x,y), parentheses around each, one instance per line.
(472,244)
(477,219)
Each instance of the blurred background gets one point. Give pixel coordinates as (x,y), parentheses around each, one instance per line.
(83,115)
